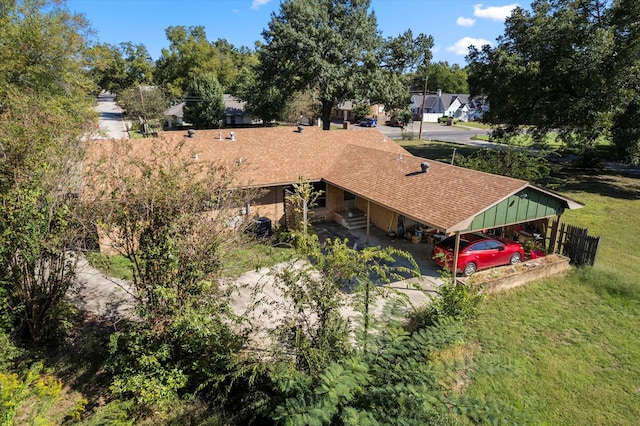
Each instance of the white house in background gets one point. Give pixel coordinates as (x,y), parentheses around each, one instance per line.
(175,115)
(433,106)
(235,113)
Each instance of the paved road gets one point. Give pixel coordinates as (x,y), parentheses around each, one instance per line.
(112,125)
(438,132)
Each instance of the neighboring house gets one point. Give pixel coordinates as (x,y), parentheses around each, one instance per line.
(344,112)
(459,106)
(365,175)
(235,113)
(175,115)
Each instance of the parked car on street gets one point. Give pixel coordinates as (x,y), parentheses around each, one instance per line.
(394,123)
(369,122)
(477,252)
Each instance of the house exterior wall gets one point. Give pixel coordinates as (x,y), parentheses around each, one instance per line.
(376,111)
(527,206)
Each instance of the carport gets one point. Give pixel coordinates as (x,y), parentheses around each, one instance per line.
(445,198)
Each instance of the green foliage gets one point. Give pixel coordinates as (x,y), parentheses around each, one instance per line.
(332,48)
(116,68)
(190,55)
(513,162)
(360,111)
(29,397)
(160,215)
(553,61)
(448,78)
(143,102)
(402,115)
(204,107)
(457,301)
(45,110)
(300,201)
(397,381)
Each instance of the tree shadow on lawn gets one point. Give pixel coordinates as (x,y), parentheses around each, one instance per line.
(608,185)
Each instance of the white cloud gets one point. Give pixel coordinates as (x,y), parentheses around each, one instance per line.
(461,47)
(465,22)
(497,13)
(257,3)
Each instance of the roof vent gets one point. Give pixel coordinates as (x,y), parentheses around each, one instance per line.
(233,136)
(191,133)
(300,129)
(219,136)
(425,167)
(400,156)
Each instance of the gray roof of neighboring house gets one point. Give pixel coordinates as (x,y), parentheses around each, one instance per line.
(234,106)
(176,111)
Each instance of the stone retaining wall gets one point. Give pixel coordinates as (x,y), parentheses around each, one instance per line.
(511,276)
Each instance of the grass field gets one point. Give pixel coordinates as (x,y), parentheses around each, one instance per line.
(566,351)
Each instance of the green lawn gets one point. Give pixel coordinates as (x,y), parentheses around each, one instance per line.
(566,351)
(246,258)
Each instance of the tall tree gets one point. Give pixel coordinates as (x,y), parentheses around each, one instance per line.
(170,215)
(204,106)
(448,78)
(45,109)
(333,48)
(116,68)
(145,103)
(625,21)
(552,70)
(191,54)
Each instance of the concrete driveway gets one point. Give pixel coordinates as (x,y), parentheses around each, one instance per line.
(111,121)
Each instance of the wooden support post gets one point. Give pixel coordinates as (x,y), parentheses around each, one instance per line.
(368,220)
(554,235)
(456,250)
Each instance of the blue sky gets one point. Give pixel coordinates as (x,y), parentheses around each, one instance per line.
(454,24)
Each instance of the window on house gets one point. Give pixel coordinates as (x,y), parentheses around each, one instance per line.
(321,201)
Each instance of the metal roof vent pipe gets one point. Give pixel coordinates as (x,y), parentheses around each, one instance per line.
(233,136)
(425,167)
(300,129)
(219,136)
(191,133)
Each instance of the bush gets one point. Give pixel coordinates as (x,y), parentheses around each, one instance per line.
(458,301)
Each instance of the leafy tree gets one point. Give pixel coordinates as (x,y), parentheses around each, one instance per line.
(449,78)
(565,65)
(116,68)
(624,15)
(399,380)
(146,103)
(333,48)
(361,110)
(170,217)
(190,54)
(204,106)
(513,161)
(402,115)
(45,110)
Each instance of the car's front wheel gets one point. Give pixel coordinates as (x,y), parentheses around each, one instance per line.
(469,269)
(516,258)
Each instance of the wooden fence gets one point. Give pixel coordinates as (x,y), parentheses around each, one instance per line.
(577,245)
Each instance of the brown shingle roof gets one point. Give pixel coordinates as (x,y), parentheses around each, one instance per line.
(363,162)
(443,197)
(270,156)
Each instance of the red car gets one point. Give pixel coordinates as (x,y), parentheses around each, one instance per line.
(477,252)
